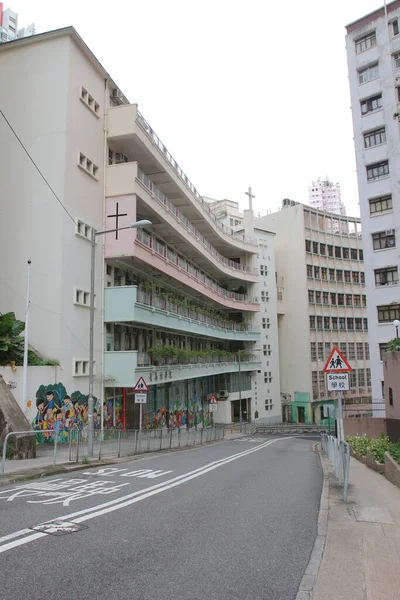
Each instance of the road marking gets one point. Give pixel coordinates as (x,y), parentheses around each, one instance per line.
(142,473)
(113,505)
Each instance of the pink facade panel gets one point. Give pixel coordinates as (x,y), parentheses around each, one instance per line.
(120,212)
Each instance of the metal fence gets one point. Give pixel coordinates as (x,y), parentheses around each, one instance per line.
(338,453)
(117,443)
(363,410)
(23,434)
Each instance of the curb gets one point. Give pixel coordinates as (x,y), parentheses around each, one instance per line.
(311,573)
(46,471)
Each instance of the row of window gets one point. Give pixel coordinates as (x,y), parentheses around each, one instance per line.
(358,378)
(88,165)
(387,276)
(384,239)
(338,323)
(334,251)
(338,275)
(334,299)
(351,350)
(380,205)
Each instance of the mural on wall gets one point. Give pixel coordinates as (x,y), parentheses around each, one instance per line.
(182,415)
(60,412)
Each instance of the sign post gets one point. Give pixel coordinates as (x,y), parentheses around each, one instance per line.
(140,390)
(337,371)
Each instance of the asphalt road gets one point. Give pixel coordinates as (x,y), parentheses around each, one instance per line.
(234,520)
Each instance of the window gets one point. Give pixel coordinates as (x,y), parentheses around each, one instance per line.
(395,27)
(341,299)
(361,254)
(309,271)
(387,314)
(367,351)
(80,367)
(311,296)
(361,377)
(316,272)
(321,351)
(358,321)
(353,253)
(267,349)
(325,297)
(350,324)
(362,278)
(347,276)
(342,323)
(382,349)
(90,102)
(374,138)
(313,350)
(322,249)
(366,42)
(334,323)
(353,379)
(360,351)
(388,276)
(357,300)
(328,348)
(364,300)
(396,60)
(372,104)
(339,275)
(349,300)
(88,166)
(331,274)
(391,396)
(324,273)
(378,170)
(315,247)
(268,404)
(355,276)
(330,250)
(365,321)
(308,245)
(83,229)
(380,205)
(267,377)
(327,324)
(319,322)
(82,297)
(352,352)
(265,323)
(338,252)
(384,239)
(368,74)
(318,297)
(333,298)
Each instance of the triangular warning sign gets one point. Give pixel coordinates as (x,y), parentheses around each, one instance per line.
(141,385)
(337,363)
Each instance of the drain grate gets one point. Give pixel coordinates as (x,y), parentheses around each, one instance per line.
(59,527)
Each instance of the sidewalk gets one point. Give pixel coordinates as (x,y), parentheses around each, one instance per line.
(361,558)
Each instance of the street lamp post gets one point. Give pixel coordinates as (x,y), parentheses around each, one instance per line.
(26,341)
(396,323)
(136,225)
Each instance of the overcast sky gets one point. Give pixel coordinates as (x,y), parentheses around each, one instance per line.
(250,93)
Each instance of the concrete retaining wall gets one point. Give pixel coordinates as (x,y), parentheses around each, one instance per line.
(390,470)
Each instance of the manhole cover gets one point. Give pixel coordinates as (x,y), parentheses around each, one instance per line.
(59,527)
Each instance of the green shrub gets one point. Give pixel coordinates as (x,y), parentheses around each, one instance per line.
(374,447)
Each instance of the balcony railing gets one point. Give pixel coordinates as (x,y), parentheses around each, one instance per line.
(167,204)
(206,208)
(144,237)
(184,311)
(144,360)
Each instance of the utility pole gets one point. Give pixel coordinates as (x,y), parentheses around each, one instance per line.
(26,333)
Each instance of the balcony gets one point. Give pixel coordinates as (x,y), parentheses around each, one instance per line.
(126,121)
(129,304)
(188,273)
(124,368)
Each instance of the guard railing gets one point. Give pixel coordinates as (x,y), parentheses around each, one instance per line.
(338,453)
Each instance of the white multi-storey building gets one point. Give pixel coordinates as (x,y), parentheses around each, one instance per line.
(177,303)
(325,195)
(323,304)
(9,26)
(373,53)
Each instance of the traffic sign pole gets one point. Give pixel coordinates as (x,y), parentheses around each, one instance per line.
(340,410)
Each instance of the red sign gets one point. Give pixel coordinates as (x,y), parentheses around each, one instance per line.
(141,386)
(337,363)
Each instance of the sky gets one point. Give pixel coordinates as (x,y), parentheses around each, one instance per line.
(241,93)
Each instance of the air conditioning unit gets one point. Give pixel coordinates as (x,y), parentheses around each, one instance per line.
(389,232)
(117,96)
(121,158)
(223,394)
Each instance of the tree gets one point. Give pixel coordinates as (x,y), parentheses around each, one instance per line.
(11,341)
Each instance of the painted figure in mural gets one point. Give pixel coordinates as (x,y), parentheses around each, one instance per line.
(51,401)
